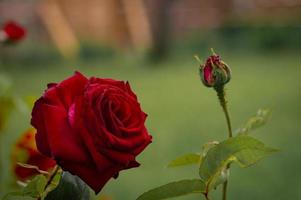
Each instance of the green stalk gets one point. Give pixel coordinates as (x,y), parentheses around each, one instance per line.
(221,96)
(50,178)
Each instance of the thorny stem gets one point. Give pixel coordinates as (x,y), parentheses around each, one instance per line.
(221,96)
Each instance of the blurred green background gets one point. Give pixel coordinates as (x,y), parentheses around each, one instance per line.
(263,52)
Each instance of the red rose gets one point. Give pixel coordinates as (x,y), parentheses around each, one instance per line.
(25,152)
(93,128)
(12,32)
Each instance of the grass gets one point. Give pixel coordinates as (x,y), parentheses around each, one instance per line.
(183,115)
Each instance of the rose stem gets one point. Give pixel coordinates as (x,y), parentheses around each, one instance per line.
(221,96)
(51,177)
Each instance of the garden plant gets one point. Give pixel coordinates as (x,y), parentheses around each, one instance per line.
(87,130)
(216,157)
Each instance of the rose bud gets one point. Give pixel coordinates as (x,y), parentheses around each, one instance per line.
(93,128)
(215,73)
(12,32)
(26,153)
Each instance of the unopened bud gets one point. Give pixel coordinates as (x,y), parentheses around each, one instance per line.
(215,73)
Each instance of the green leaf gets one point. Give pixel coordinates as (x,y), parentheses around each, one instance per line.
(32,190)
(207,146)
(192,158)
(35,187)
(70,187)
(243,149)
(187,159)
(255,121)
(16,196)
(174,189)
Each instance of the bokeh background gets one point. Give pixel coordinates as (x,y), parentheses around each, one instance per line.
(151,44)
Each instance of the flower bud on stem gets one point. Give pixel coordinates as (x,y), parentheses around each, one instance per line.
(216,73)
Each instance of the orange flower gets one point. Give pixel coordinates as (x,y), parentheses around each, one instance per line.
(26,153)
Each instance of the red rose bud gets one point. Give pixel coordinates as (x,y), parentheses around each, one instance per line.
(12,32)
(215,72)
(25,152)
(93,128)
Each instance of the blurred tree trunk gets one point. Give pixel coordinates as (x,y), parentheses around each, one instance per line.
(138,23)
(159,13)
(59,28)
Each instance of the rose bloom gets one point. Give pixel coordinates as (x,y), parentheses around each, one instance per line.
(12,32)
(93,128)
(25,152)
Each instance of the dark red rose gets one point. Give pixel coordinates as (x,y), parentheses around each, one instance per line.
(215,72)
(25,152)
(93,128)
(12,32)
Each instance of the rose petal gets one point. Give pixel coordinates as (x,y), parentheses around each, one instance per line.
(118,157)
(37,121)
(130,91)
(91,175)
(72,87)
(52,97)
(107,81)
(208,73)
(64,143)
(89,139)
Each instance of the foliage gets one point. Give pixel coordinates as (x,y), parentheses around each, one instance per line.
(174,189)
(255,122)
(187,159)
(244,150)
(62,186)
(34,189)
(69,187)
(214,160)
